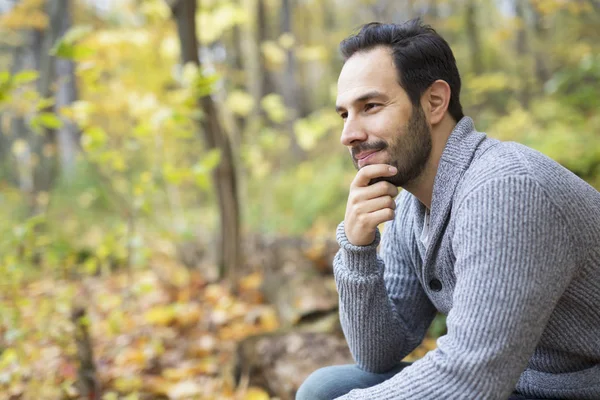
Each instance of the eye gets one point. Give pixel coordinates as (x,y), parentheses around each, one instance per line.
(344,115)
(369,106)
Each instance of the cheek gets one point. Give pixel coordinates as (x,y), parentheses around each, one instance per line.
(386,124)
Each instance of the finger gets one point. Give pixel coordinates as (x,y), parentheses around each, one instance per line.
(372,205)
(368,172)
(381,216)
(376,190)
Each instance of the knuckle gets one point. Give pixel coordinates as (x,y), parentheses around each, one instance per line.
(382,185)
(361,219)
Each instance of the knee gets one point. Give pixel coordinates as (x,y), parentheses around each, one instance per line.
(320,385)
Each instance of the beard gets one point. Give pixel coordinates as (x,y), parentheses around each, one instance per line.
(408,151)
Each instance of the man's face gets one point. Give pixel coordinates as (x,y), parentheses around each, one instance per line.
(381,126)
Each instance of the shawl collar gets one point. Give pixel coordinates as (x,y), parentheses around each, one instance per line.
(456,158)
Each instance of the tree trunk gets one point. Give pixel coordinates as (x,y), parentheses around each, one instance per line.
(522,54)
(25,58)
(224,176)
(541,69)
(250,52)
(433,10)
(45,146)
(267,84)
(473,38)
(289,85)
(68,135)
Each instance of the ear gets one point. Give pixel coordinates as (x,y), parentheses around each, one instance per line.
(437,98)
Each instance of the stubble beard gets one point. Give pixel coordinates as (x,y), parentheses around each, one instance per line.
(409,152)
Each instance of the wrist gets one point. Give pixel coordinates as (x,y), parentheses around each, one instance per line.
(361,259)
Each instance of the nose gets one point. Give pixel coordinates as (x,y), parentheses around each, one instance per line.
(353,132)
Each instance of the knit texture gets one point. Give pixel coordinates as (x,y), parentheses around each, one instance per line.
(513,261)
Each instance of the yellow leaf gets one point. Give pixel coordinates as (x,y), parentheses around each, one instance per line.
(188,314)
(215,292)
(240,103)
(156,385)
(128,384)
(160,315)
(274,107)
(131,357)
(118,163)
(110,396)
(274,54)
(256,393)
(287,40)
(251,282)
(268,320)
(312,53)
(169,48)
(9,356)
(190,74)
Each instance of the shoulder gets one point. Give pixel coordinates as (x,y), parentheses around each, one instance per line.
(504,164)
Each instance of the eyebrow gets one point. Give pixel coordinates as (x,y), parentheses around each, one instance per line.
(367,96)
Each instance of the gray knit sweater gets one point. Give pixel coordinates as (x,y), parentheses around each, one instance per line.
(513,261)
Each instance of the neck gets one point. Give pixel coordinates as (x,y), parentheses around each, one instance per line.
(422,186)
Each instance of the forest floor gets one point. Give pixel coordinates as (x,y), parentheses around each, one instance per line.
(162,333)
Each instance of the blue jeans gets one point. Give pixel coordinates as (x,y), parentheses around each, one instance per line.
(335,381)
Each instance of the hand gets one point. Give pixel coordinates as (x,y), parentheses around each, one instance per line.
(369,205)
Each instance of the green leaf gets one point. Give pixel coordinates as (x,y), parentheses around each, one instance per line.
(203,181)
(25,77)
(66,46)
(212,159)
(4,77)
(6,86)
(34,221)
(204,84)
(203,168)
(44,104)
(93,138)
(71,51)
(174,175)
(76,33)
(49,120)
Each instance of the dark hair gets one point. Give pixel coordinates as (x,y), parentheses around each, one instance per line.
(420,55)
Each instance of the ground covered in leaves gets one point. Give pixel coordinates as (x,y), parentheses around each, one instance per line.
(162,333)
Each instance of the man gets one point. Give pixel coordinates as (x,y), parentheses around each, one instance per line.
(498,237)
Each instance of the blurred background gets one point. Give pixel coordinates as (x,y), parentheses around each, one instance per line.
(171,178)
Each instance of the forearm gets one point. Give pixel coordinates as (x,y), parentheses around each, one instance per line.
(379,336)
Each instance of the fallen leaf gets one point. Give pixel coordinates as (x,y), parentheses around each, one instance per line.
(256,393)
(184,390)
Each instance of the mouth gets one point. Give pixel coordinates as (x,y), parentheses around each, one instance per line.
(364,157)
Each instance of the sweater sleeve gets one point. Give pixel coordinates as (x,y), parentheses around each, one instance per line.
(513,262)
(384,311)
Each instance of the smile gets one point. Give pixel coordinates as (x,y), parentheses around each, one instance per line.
(364,158)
